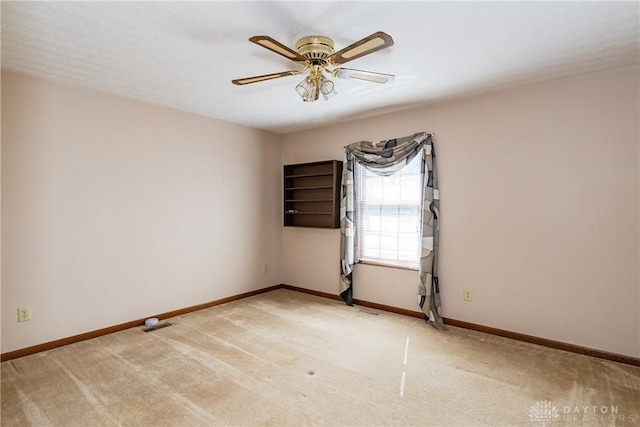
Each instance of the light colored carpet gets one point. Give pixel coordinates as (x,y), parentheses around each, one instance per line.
(287,358)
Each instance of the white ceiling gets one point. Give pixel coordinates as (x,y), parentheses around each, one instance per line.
(184,54)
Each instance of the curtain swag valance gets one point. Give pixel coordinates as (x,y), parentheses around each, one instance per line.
(386,158)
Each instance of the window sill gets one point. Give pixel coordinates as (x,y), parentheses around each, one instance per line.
(381,264)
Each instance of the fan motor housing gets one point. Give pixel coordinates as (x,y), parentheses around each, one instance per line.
(315,48)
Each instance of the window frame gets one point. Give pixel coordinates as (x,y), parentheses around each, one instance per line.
(413,265)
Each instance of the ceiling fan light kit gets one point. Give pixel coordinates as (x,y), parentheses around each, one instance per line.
(316,54)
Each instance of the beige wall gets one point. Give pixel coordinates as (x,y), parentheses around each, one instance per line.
(114,210)
(539,201)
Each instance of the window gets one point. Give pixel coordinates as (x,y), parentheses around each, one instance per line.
(388,215)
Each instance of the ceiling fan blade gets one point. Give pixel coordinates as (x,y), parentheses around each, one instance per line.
(277,47)
(256,79)
(367,45)
(349,73)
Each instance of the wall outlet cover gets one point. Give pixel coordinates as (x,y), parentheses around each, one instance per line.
(24,313)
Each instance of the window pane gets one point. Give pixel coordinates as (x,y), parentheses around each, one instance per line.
(370,245)
(411,189)
(407,246)
(389,246)
(389,219)
(374,187)
(392,188)
(372,218)
(409,217)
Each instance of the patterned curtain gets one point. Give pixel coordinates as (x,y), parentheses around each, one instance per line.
(347,229)
(385,158)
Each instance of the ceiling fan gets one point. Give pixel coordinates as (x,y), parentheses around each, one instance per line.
(316,54)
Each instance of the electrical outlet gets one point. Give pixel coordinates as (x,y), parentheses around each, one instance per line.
(467,294)
(265,268)
(24,313)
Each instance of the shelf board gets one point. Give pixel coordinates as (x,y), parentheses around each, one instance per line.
(309,175)
(309,188)
(308,200)
(307,226)
(308,213)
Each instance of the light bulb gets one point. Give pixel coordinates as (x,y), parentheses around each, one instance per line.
(326,87)
(307,90)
